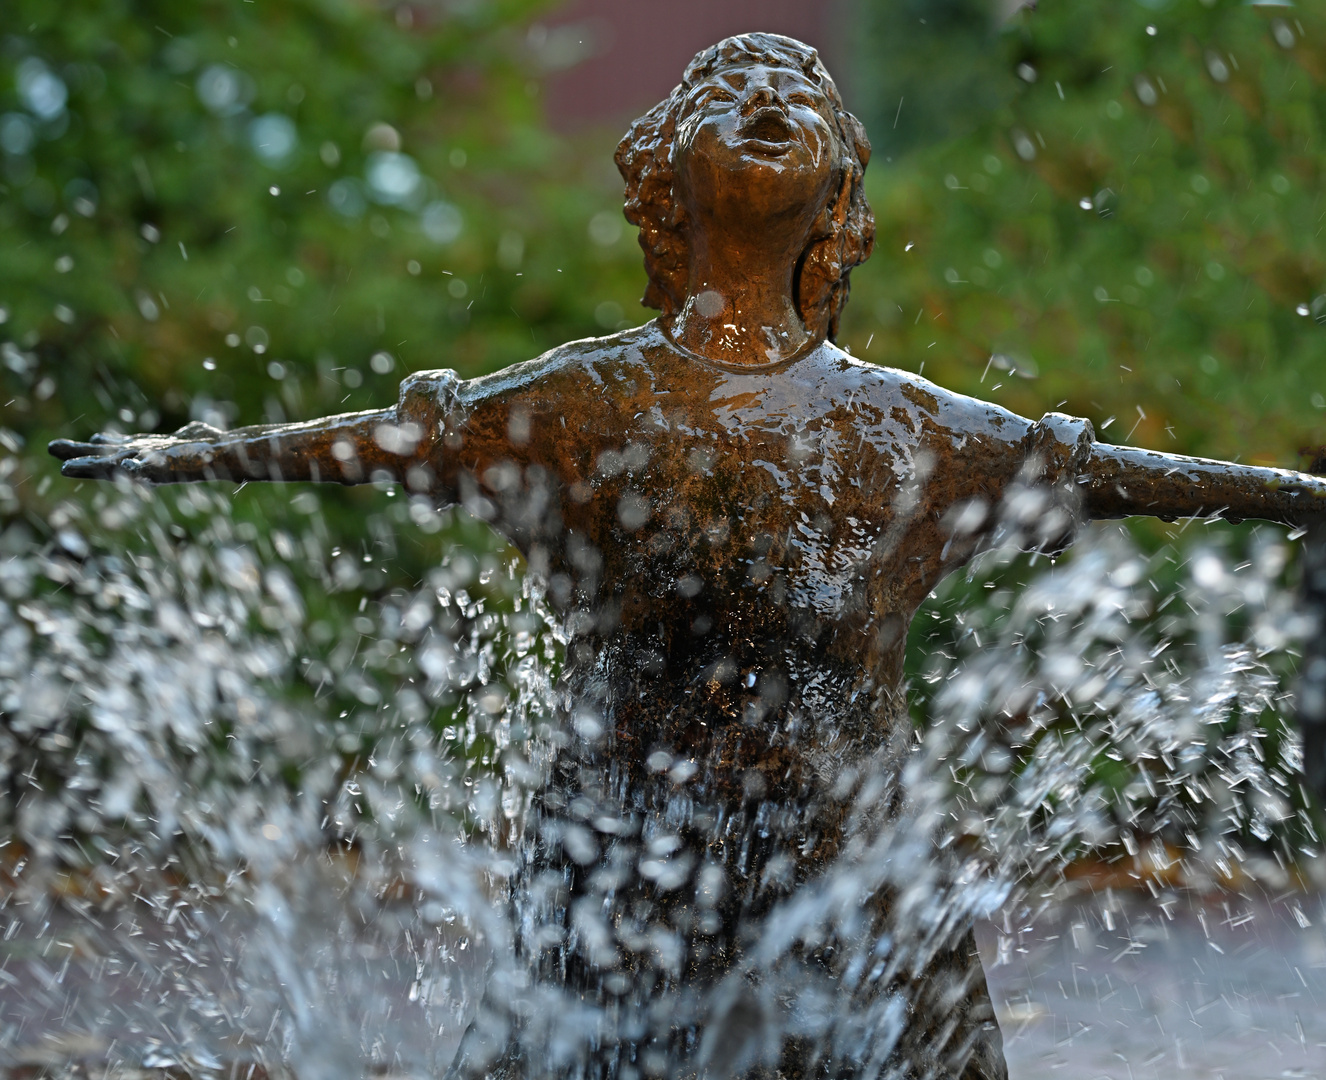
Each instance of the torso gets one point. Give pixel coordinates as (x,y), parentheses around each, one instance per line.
(734,530)
(739,554)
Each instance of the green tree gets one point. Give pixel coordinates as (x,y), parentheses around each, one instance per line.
(1131,231)
(275,210)
(925,71)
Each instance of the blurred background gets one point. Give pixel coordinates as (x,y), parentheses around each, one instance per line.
(244,212)
(267,211)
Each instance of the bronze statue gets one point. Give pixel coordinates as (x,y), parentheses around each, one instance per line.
(739,521)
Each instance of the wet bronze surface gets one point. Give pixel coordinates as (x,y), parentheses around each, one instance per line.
(738,521)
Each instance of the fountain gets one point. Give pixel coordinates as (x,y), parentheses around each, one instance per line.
(713,841)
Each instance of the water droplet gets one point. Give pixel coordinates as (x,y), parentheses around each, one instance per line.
(274,138)
(381,136)
(223,89)
(441,222)
(346,197)
(609,314)
(42,91)
(393,178)
(17,134)
(1216,66)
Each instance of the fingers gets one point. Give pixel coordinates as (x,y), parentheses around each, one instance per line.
(101,459)
(65,449)
(192,454)
(149,469)
(98,459)
(97,468)
(98,444)
(104,455)
(149,465)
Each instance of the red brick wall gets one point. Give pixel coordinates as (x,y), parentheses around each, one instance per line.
(636,49)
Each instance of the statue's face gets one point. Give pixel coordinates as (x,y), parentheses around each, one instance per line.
(755,140)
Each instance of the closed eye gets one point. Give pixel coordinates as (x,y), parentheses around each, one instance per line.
(713,93)
(801,99)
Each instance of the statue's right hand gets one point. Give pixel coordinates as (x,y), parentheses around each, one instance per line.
(153,458)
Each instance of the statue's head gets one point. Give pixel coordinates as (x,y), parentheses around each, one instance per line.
(757,120)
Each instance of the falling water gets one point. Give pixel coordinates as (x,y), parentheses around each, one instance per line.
(238,841)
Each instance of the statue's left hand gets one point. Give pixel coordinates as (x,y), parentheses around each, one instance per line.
(154,458)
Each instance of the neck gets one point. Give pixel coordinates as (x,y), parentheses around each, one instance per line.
(739,307)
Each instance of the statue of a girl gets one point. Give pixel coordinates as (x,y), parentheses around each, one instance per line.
(738,521)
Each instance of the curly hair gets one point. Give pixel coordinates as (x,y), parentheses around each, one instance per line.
(644,158)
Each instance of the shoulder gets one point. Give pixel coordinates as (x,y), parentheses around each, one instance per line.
(929,403)
(586,361)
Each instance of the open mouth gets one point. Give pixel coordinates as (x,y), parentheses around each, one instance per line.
(768,127)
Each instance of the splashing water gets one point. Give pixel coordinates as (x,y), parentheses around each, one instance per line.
(212,863)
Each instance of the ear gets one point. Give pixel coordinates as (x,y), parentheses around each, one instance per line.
(855,132)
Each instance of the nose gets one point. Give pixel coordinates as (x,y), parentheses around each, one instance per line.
(762,96)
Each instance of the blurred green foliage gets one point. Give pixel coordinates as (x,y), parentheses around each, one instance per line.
(1130,229)
(926,71)
(273,211)
(265,212)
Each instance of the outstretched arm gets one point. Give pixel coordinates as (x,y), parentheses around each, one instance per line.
(1118,481)
(353,448)
(329,449)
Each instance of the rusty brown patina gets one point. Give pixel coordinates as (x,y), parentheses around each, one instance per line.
(739,521)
